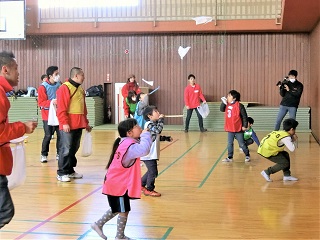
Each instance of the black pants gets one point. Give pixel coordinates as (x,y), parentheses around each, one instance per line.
(70,143)
(6,204)
(149,178)
(48,132)
(189,114)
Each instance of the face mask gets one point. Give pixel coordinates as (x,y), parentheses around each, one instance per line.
(56,78)
(292,80)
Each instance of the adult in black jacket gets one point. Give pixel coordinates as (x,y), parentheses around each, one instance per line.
(290,90)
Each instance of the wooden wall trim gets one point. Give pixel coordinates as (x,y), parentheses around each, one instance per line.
(154,27)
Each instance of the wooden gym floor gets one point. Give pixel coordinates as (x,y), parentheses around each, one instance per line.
(202,198)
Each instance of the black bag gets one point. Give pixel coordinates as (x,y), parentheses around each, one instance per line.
(95,91)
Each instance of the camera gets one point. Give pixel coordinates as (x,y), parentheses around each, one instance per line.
(283,82)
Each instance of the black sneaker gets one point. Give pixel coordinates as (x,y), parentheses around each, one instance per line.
(204,130)
(186,131)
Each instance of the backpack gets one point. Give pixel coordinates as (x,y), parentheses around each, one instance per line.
(95,91)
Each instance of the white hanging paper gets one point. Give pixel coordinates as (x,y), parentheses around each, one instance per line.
(183,51)
(202,20)
(148,82)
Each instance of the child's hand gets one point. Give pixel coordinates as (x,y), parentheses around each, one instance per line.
(294,137)
(145,130)
(224,100)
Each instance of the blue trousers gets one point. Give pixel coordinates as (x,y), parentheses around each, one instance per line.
(240,139)
(282,113)
(149,178)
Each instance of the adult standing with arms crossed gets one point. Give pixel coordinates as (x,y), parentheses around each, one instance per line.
(131,85)
(47,96)
(9,78)
(192,96)
(72,116)
(290,90)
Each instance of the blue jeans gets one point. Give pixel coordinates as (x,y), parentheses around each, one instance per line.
(282,113)
(240,139)
(70,143)
(149,178)
(6,204)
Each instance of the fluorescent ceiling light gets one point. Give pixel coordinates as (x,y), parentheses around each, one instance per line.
(86,3)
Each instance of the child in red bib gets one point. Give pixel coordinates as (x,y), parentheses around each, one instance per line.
(235,123)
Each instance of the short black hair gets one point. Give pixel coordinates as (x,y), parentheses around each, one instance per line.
(235,94)
(250,120)
(191,75)
(290,123)
(148,111)
(293,72)
(138,96)
(43,76)
(51,70)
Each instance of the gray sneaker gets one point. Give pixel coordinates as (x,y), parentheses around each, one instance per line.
(227,160)
(75,175)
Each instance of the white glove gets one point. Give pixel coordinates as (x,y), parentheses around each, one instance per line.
(224,100)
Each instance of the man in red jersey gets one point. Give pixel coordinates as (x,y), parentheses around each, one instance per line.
(72,116)
(9,78)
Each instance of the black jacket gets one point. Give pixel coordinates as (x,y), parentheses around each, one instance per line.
(292,97)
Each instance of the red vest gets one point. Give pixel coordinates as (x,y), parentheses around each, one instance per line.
(233,121)
(120,179)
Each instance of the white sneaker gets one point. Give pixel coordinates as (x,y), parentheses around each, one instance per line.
(63,178)
(266,176)
(227,160)
(43,159)
(57,157)
(75,175)
(247,159)
(289,178)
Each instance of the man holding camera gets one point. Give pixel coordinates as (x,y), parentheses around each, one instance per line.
(290,90)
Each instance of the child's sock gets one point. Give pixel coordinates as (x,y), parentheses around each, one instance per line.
(121,225)
(105,218)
